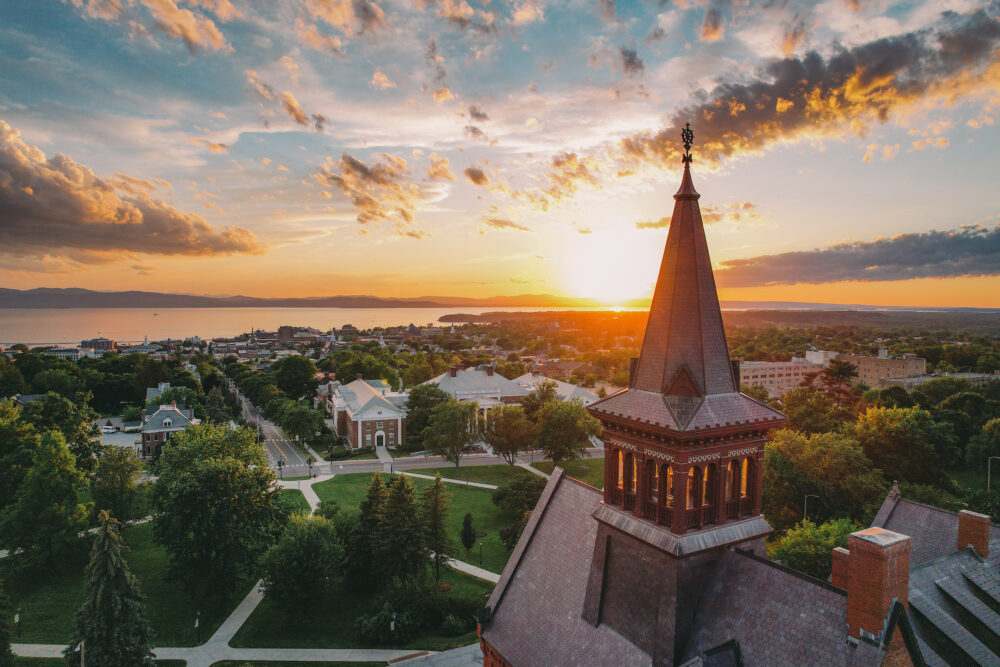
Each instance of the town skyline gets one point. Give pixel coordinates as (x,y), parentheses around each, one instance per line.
(843,152)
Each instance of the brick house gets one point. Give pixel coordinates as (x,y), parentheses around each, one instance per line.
(158,424)
(366,412)
(666,565)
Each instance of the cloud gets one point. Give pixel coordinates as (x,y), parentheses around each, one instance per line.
(212,146)
(380,192)
(653,224)
(476,175)
(197,31)
(347,16)
(310,34)
(292,67)
(287,101)
(500,223)
(380,81)
(293,108)
(477,114)
(460,13)
(608,10)
(795,35)
(735,212)
(439,169)
(442,94)
(526,12)
(57,206)
(713,25)
(656,35)
(632,64)
(475,133)
(812,96)
(972,250)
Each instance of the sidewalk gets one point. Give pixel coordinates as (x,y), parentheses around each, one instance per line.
(478,485)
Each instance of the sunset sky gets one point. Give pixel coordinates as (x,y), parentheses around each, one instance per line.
(846,151)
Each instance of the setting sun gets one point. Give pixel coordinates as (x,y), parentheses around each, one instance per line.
(613,266)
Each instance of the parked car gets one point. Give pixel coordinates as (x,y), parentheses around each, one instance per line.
(107,429)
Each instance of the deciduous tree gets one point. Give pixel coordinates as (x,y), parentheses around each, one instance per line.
(533,402)
(219,506)
(74,419)
(6,655)
(508,432)
(18,443)
(295,375)
(809,548)
(451,430)
(420,402)
(907,444)
(47,514)
(307,561)
(565,429)
(114,485)
(112,622)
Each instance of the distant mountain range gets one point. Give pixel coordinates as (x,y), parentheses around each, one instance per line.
(72,297)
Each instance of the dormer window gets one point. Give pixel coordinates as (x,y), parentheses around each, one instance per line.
(168,422)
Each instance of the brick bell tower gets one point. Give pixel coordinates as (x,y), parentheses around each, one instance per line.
(683,454)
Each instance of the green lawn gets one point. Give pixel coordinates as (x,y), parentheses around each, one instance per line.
(494,474)
(330,623)
(295,496)
(259,663)
(45,662)
(359,455)
(48,602)
(349,489)
(588,471)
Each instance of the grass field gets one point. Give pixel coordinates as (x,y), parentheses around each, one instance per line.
(296,497)
(588,471)
(264,663)
(330,623)
(494,474)
(349,490)
(52,662)
(48,602)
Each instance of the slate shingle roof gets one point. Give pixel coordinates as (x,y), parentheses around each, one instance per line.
(565,391)
(777,617)
(708,412)
(477,383)
(363,394)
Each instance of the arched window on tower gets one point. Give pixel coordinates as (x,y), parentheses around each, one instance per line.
(733,475)
(630,472)
(621,469)
(652,481)
(694,488)
(711,475)
(670,484)
(746,481)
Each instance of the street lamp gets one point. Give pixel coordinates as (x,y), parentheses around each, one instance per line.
(197,624)
(310,462)
(480,553)
(989,464)
(805,502)
(281,464)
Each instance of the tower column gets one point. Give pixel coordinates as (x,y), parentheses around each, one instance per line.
(639,470)
(758,483)
(679,524)
(722,480)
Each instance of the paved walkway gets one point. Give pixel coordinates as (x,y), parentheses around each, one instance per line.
(475,571)
(532,469)
(478,485)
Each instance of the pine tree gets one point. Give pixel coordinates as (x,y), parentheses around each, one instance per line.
(468,533)
(47,515)
(360,551)
(6,655)
(399,546)
(111,623)
(434,510)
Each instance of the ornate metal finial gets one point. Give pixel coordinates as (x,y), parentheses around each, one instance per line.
(687,136)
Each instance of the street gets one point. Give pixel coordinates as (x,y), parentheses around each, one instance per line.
(279,447)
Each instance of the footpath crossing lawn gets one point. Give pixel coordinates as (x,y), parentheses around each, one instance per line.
(588,471)
(494,474)
(349,490)
(329,623)
(53,662)
(299,500)
(49,602)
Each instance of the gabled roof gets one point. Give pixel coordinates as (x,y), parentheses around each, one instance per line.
(564,390)
(933,531)
(178,420)
(476,382)
(362,395)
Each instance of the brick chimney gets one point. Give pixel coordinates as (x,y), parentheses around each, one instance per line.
(878,573)
(841,563)
(452,370)
(974,531)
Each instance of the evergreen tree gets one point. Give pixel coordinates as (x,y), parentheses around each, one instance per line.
(111,623)
(47,515)
(434,509)
(399,547)
(468,533)
(360,547)
(6,655)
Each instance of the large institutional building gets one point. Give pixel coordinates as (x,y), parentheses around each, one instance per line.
(666,565)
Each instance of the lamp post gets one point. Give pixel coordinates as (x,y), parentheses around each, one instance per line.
(17,622)
(989,465)
(480,553)
(805,503)
(310,462)
(197,625)
(281,465)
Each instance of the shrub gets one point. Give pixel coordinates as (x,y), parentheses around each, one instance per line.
(387,626)
(452,626)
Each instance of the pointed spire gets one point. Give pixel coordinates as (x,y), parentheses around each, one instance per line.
(684,353)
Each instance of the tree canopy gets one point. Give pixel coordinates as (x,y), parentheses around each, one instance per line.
(565,429)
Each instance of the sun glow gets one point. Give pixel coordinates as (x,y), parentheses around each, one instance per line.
(614,266)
